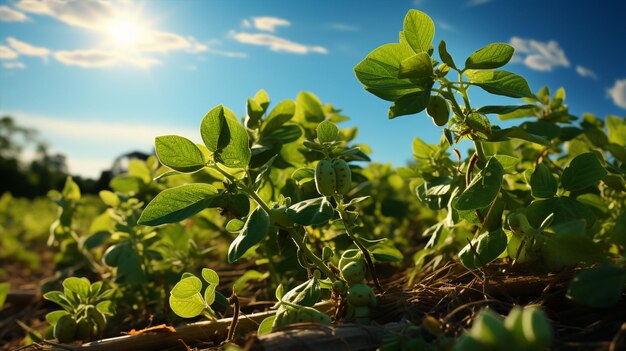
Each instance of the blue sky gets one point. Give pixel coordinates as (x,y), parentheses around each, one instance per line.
(102,78)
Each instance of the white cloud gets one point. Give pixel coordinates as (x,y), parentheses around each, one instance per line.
(618,93)
(586,72)
(277,44)
(91,58)
(7,53)
(269,24)
(212,48)
(26,49)
(539,56)
(344,27)
(79,13)
(9,15)
(13,65)
(246,23)
(445,26)
(472,3)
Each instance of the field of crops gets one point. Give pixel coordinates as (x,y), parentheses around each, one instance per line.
(278,233)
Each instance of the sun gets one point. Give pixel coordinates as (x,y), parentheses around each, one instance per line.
(125,31)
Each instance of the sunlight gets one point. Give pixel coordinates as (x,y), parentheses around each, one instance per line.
(125,31)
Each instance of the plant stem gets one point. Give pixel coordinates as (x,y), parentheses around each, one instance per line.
(368,259)
(298,238)
(480,152)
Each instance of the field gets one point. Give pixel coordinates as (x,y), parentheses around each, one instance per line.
(278,233)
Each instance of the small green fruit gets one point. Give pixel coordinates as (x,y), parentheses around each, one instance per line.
(438,110)
(343,176)
(489,329)
(325,180)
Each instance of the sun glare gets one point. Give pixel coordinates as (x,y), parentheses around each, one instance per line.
(125,31)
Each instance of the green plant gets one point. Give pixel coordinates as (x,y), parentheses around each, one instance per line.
(552,180)
(186,300)
(85,308)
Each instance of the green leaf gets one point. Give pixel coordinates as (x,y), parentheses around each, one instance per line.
(488,246)
(616,128)
(234,225)
(126,184)
(186,287)
(189,307)
(179,153)
(310,212)
(327,132)
(517,133)
(266,325)
(483,189)
(501,83)
(599,287)
(507,162)
(565,209)
(303,175)
(491,56)
(417,66)
(542,183)
(80,286)
(262,99)
(281,114)
(140,170)
(4,292)
(410,104)
(583,171)
(226,137)
(54,316)
(305,294)
(506,109)
(419,30)
(379,72)
(445,56)
(210,276)
(309,108)
(253,232)
(569,245)
(175,204)
(255,112)
(241,282)
(543,129)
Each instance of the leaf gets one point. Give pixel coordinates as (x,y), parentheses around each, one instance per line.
(305,294)
(4,292)
(327,132)
(419,30)
(417,66)
(507,162)
(445,56)
(542,183)
(569,245)
(189,307)
(80,286)
(517,133)
(186,287)
(179,153)
(491,56)
(410,104)
(281,114)
(175,204)
(483,189)
(210,276)
(222,134)
(488,246)
(565,209)
(253,232)
(255,112)
(241,282)
(506,109)
(599,287)
(262,99)
(379,72)
(139,169)
(500,83)
(309,108)
(126,184)
(543,129)
(583,171)
(303,175)
(266,325)
(311,212)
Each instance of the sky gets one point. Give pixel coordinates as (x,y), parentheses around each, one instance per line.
(101,78)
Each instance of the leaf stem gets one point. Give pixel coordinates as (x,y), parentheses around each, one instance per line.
(298,238)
